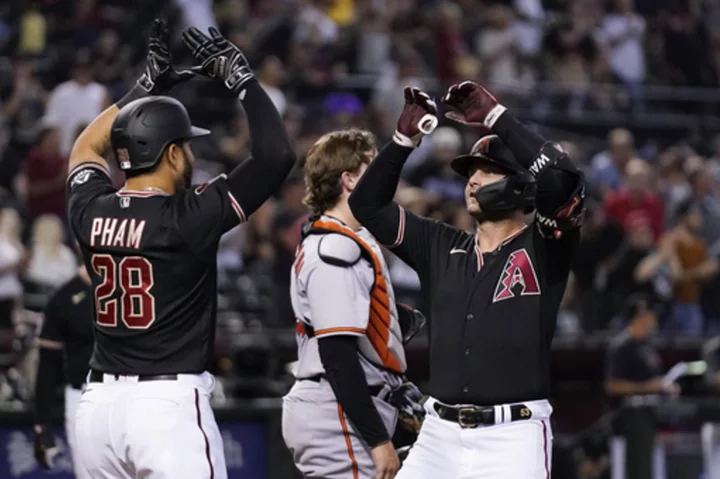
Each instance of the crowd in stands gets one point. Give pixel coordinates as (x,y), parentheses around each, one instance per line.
(653,221)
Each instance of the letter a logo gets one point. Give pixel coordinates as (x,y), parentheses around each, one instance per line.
(518,277)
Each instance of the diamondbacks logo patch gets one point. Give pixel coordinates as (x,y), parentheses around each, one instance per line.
(518,277)
(81,177)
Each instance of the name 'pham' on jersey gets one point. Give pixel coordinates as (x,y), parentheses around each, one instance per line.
(125,233)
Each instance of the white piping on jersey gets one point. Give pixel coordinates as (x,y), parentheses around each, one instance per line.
(457,250)
(401,228)
(511,237)
(140,194)
(236,206)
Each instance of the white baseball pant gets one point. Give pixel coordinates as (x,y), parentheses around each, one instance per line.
(506,450)
(710,435)
(130,429)
(72,400)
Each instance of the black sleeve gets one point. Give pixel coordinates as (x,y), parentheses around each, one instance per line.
(213,208)
(85,183)
(46,384)
(412,238)
(339,355)
(54,326)
(558,183)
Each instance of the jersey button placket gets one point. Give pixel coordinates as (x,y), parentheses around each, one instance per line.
(466,388)
(469,316)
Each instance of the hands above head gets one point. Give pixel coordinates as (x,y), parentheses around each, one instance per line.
(218,58)
(160,75)
(418,118)
(472,104)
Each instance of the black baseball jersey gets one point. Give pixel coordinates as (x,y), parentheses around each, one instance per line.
(69,320)
(493,314)
(152,260)
(632,360)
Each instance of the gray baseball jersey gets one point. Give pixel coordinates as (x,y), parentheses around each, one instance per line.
(331,298)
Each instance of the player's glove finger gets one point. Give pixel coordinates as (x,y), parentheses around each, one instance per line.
(195,40)
(216,35)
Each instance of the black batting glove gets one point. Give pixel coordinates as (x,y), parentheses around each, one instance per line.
(417,119)
(160,75)
(219,59)
(45,448)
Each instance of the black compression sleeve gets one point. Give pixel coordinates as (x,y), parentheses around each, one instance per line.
(556,184)
(339,355)
(372,199)
(253,181)
(47,381)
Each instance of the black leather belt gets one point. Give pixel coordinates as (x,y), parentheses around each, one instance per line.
(474,416)
(97,377)
(374,390)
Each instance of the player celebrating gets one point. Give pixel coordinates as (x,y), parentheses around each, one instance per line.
(493,296)
(66,339)
(340,414)
(151,252)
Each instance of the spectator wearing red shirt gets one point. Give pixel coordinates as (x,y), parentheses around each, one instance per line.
(635,200)
(45,172)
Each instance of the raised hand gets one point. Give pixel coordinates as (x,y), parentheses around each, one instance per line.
(160,75)
(472,105)
(218,58)
(418,118)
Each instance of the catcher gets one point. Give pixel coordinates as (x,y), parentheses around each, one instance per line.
(350,389)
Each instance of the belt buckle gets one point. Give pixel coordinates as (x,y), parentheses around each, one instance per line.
(461,414)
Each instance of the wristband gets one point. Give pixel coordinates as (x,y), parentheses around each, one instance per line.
(493,116)
(404,140)
(135,93)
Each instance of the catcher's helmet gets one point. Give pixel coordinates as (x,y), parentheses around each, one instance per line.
(516,191)
(144,127)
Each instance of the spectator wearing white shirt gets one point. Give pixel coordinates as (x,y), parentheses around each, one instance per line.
(11,261)
(622,33)
(269,76)
(52,263)
(76,102)
(497,47)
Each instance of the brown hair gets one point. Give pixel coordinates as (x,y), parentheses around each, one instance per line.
(332,155)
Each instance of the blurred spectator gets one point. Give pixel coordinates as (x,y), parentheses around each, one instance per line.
(286,237)
(373,43)
(702,184)
(451,47)
(388,99)
(292,194)
(197,13)
(528,26)
(76,101)
(32,30)
(112,63)
(688,47)
(314,25)
(23,104)
(636,201)
(497,47)
(343,108)
(51,262)
(435,175)
(12,255)
(690,266)
(674,184)
(609,165)
(622,33)
(269,74)
(44,176)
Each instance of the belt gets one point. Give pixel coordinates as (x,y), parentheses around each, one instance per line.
(97,377)
(473,416)
(374,390)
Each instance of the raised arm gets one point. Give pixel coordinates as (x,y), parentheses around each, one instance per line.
(253,181)
(159,77)
(561,186)
(371,202)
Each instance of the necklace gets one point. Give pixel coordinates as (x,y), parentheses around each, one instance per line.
(157,190)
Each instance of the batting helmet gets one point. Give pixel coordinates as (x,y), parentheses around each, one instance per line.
(144,128)
(516,191)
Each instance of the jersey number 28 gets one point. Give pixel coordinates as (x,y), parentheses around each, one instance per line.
(134,275)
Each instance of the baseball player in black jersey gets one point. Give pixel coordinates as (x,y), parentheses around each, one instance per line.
(65,343)
(493,296)
(150,249)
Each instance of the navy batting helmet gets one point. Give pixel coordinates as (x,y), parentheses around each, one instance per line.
(516,191)
(144,128)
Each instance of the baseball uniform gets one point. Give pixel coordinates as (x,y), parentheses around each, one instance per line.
(340,286)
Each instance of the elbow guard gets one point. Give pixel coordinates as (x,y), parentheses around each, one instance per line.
(570,216)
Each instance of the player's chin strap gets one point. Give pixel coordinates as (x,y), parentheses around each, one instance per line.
(570,215)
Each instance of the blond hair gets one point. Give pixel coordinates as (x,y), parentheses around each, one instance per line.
(332,155)
(47,233)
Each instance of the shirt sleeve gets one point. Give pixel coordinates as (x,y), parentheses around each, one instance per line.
(204,213)
(616,367)
(85,183)
(339,298)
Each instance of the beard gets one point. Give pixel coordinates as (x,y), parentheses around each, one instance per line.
(185,180)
